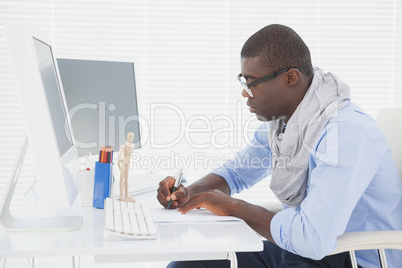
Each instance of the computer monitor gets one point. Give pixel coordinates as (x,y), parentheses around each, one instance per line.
(102,101)
(48,130)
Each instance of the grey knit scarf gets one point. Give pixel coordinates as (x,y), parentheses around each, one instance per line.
(291,149)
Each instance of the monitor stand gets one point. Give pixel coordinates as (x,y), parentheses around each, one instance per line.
(10,223)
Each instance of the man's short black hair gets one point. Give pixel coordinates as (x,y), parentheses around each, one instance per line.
(278,47)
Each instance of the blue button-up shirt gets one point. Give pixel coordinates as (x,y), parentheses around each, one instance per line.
(353,185)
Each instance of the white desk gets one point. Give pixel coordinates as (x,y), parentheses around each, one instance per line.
(175,242)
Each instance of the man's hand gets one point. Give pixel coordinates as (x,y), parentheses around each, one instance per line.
(215,201)
(179,197)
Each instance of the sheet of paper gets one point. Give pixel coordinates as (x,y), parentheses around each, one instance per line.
(196,215)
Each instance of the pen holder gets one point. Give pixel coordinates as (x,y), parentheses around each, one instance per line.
(85,183)
(102,183)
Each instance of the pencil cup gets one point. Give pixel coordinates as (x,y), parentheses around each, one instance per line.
(86,187)
(102,183)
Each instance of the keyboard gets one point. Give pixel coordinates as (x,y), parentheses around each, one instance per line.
(140,183)
(127,219)
(143,182)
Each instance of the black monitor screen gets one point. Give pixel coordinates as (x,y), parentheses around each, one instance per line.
(102,102)
(53,95)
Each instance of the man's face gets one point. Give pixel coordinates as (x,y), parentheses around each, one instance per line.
(271,99)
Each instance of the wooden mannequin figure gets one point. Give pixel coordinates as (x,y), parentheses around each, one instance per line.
(124,164)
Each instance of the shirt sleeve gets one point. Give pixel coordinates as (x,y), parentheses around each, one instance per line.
(249,165)
(340,169)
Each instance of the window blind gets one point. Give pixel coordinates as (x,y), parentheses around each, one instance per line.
(186,56)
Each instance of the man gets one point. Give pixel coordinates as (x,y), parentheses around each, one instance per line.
(331,166)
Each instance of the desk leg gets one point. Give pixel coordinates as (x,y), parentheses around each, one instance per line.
(76,261)
(31,262)
(233,259)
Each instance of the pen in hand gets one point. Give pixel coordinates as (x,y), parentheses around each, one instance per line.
(175,186)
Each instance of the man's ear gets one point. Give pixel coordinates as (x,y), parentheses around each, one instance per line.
(292,77)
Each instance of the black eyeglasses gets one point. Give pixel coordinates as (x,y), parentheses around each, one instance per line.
(270,76)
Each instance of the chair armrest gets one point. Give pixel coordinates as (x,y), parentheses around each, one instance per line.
(369,240)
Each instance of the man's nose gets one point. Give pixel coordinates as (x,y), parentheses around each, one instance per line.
(245,94)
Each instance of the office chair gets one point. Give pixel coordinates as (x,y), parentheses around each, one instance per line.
(390,122)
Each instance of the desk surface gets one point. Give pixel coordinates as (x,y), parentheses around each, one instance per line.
(178,241)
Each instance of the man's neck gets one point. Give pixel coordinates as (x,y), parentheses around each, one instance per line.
(302,90)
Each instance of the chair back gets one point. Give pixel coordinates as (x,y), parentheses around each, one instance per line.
(390,122)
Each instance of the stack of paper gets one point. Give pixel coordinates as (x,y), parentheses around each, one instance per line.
(196,215)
